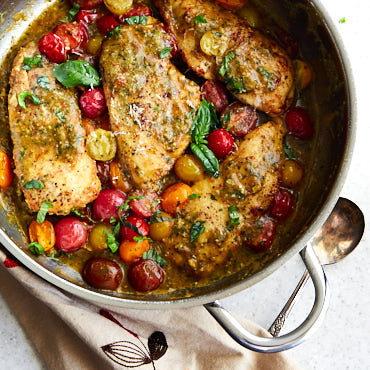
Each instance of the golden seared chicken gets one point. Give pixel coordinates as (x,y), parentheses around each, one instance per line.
(149,101)
(249,179)
(49,150)
(218,44)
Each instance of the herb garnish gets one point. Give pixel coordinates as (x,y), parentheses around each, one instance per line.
(41,214)
(30,62)
(165,53)
(33,184)
(36,248)
(288,152)
(226,118)
(43,81)
(234,215)
(237,86)
(196,229)
(22,99)
(139,239)
(60,115)
(137,19)
(200,19)
(157,218)
(133,227)
(342,20)
(225,63)
(125,206)
(193,196)
(78,214)
(152,254)
(71,13)
(113,32)
(111,242)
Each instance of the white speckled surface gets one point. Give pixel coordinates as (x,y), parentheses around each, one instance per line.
(343,340)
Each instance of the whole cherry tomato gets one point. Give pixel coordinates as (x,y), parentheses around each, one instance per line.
(52,46)
(86,16)
(88,4)
(128,234)
(106,23)
(6,172)
(282,205)
(214,92)
(146,206)
(70,33)
(262,236)
(92,103)
(136,10)
(145,275)
(298,123)
(220,142)
(107,203)
(70,234)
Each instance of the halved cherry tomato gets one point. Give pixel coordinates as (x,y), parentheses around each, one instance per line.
(220,142)
(42,233)
(145,275)
(136,10)
(107,203)
(282,205)
(146,206)
(232,4)
(92,103)
(70,234)
(116,178)
(70,33)
(52,46)
(106,23)
(175,196)
(6,173)
(263,235)
(298,123)
(84,36)
(173,42)
(88,4)
(103,173)
(215,92)
(86,16)
(130,251)
(128,234)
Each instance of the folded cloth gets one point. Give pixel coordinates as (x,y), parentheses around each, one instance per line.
(71,333)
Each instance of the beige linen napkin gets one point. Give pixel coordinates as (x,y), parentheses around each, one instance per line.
(71,333)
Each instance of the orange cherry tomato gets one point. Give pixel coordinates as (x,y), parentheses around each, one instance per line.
(232,4)
(6,173)
(130,251)
(175,196)
(117,180)
(43,234)
(88,125)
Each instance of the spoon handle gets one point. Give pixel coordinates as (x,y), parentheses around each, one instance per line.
(279,322)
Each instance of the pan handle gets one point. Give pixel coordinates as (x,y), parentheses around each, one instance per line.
(298,335)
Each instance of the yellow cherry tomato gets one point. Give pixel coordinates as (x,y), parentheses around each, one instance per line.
(161,229)
(101,145)
(214,43)
(189,168)
(175,196)
(303,74)
(98,238)
(43,234)
(292,173)
(118,7)
(93,46)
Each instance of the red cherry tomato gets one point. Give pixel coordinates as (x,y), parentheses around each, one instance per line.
(136,10)
(103,173)
(282,205)
(88,4)
(107,203)
(70,234)
(52,46)
(220,142)
(145,275)
(263,236)
(106,23)
(173,42)
(298,123)
(128,234)
(92,103)
(84,36)
(214,92)
(146,206)
(86,17)
(70,33)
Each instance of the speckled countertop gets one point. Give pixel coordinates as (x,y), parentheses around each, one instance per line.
(343,340)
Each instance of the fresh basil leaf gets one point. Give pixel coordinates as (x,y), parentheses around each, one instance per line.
(31,62)
(133,227)
(36,248)
(165,53)
(200,19)
(22,99)
(41,214)
(196,229)
(158,218)
(137,19)
(78,214)
(152,254)
(112,242)
(191,114)
(116,229)
(208,159)
(226,118)
(71,13)
(76,72)
(288,152)
(60,115)
(234,215)
(193,196)
(112,220)
(43,81)
(34,184)
(114,32)
(236,85)
(225,63)
(139,239)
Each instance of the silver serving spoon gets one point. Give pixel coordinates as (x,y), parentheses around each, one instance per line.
(336,239)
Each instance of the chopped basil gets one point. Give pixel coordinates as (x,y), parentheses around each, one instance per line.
(31,62)
(158,218)
(137,19)
(41,214)
(152,254)
(237,85)
(113,32)
(33,184)
(193,196)
(72,13)
(225,63)
(288,152)
(342,20)
(234,215)
(226,118)
(139,239)
(43,81)
(268,76)
(60,115)
(22,99)
(36,248)
(157,108)
(125,206)
(76,72)
(78,214)
(112,220)
(112,242)
(165,53)
(116,229)
(196,229)
(133,227)
(200,19)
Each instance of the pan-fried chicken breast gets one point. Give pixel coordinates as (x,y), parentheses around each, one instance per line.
(249,179)
(49,139)
(149,101)
(256,70)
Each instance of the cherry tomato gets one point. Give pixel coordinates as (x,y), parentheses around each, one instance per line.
(88,4)
(103,173)
(97,240)
(303,74)
(298,123)
(128,234)
(232,4)
(291,173)
(107,203)
(130,251)
(214,92)
(136,10)
(43,234)
(189,168)
(6,172)
(118,7)
(102,273)
(117,180)
(146,206)
(94,44)
(220,142)
(175,196)
(263,236)
(106,23)
(52,46)
(161,229)
(70,33)
(86,17)
(214,43)
(145,275)
(84,36)
(243,119)
(92,103)
(70,234)
(173,42)
(282,205)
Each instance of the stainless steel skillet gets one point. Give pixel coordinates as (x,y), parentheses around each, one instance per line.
(331,104)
